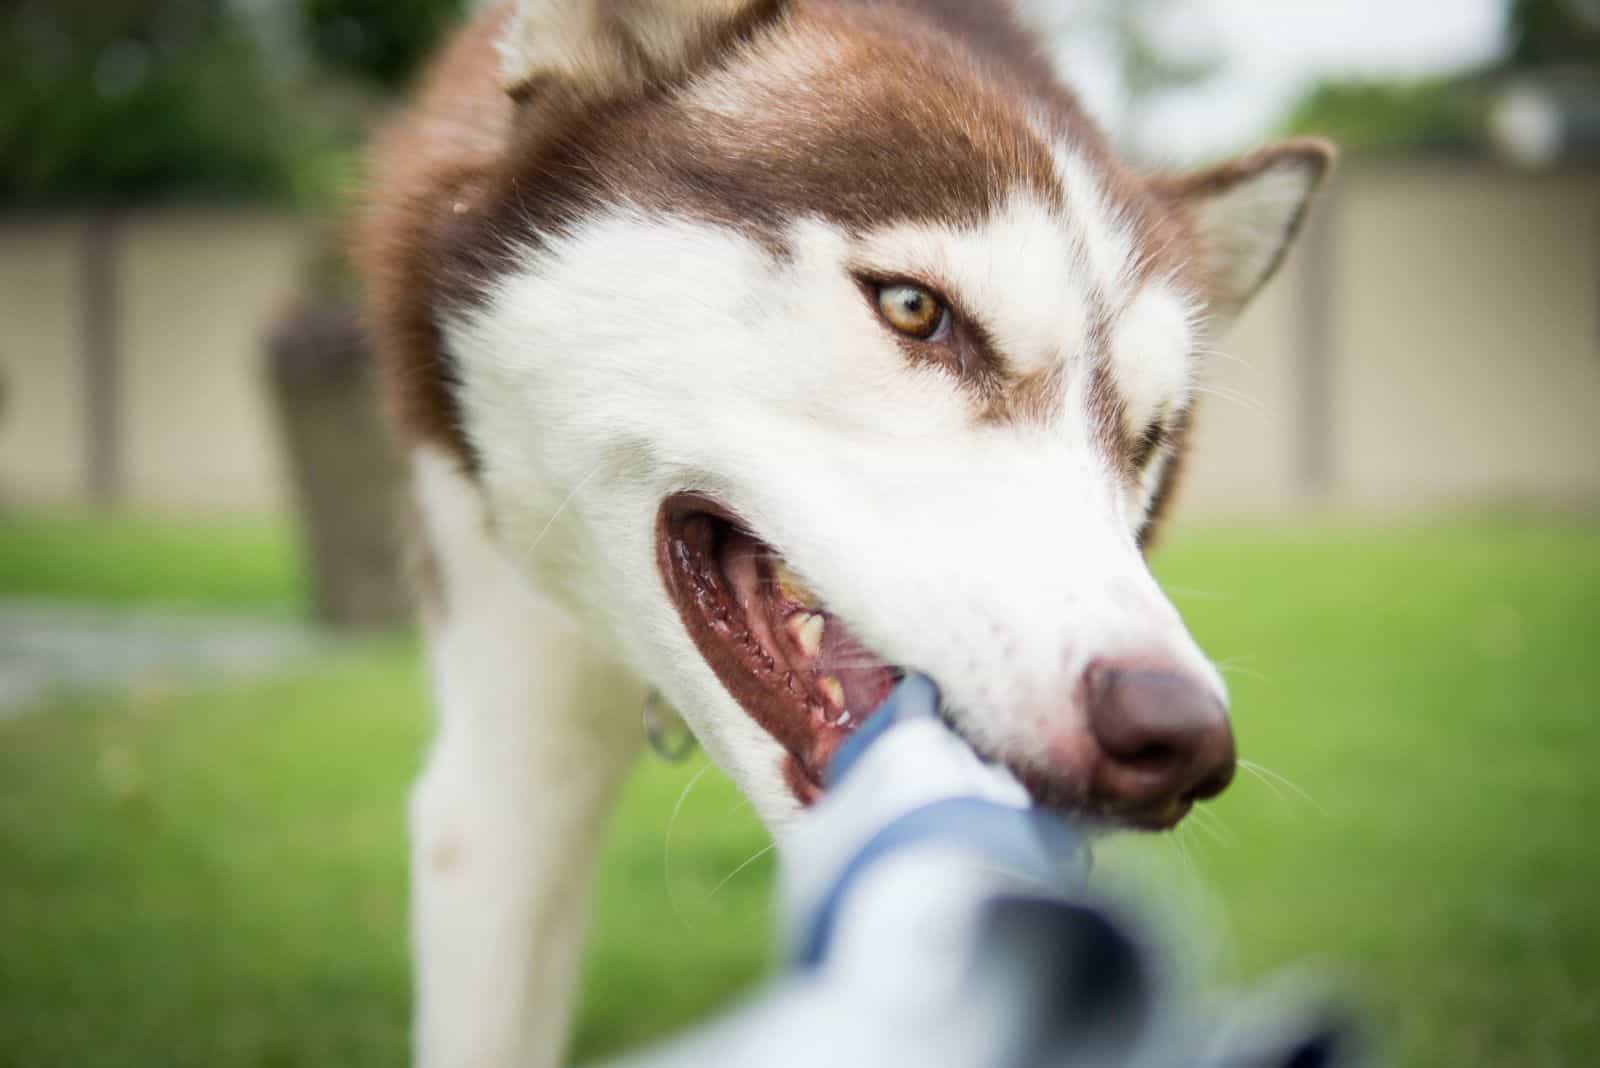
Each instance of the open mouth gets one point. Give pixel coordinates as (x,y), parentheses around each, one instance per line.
(795,668)
(790,663)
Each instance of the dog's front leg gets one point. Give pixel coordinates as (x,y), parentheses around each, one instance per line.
(536,730)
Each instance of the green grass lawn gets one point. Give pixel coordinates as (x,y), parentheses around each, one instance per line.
(133,560)
(217,877)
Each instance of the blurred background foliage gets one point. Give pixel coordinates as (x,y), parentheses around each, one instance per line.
(377,41)
(123,102)
(1547,33)
(1443,115)
(1548,39)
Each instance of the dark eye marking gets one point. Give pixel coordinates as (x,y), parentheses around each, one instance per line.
(933,330)
(1150,441)
(1173,439)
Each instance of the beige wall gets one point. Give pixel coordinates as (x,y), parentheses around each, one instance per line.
(205,287)
(1465,348)
(42,409)
(1469,341)
(1465,352)
(195,290)
(1243,456)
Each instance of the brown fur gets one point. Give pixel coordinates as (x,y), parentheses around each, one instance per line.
(1183,193)
(1030,398)
(468,172)
(465,171)
(427,166)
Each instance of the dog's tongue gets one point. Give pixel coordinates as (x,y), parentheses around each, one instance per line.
(842,681)
(866,681)
(746,565)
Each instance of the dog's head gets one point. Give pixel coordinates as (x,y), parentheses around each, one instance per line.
(805,343)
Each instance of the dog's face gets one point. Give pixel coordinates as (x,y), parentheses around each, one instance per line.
(850,353)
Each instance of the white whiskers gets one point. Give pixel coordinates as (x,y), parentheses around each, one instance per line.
(1194,594)
(1272,780)
(1176,838)
(666,844)
(1213,826)
(726,879)
(562,507)
(1232,396)
(1234,665)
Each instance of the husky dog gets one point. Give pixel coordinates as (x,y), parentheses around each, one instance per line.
(754,352)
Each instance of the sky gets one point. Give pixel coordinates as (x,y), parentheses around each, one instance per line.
(1269,53)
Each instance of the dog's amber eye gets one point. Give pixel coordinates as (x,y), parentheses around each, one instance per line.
(912,310)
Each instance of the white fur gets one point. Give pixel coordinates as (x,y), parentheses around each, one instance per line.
(595,45)
(595,382)
(1152,353)
(558,40)
(782,75)
(999,559)
(536,728)
(1104,238)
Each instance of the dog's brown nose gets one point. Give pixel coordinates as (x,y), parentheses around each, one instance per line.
(1163,735)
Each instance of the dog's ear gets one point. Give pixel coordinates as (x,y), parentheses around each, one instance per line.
(1245,214)
(608,48)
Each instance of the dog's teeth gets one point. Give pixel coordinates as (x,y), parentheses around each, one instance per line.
(832,689)
(791,587)
(806,628)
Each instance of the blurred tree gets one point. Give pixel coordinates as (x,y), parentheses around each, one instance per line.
(1548,33)
(1149,47)
(1547,39)
(381,41)
(119,101)
(1150,66)
(346,478)
(1436,116)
